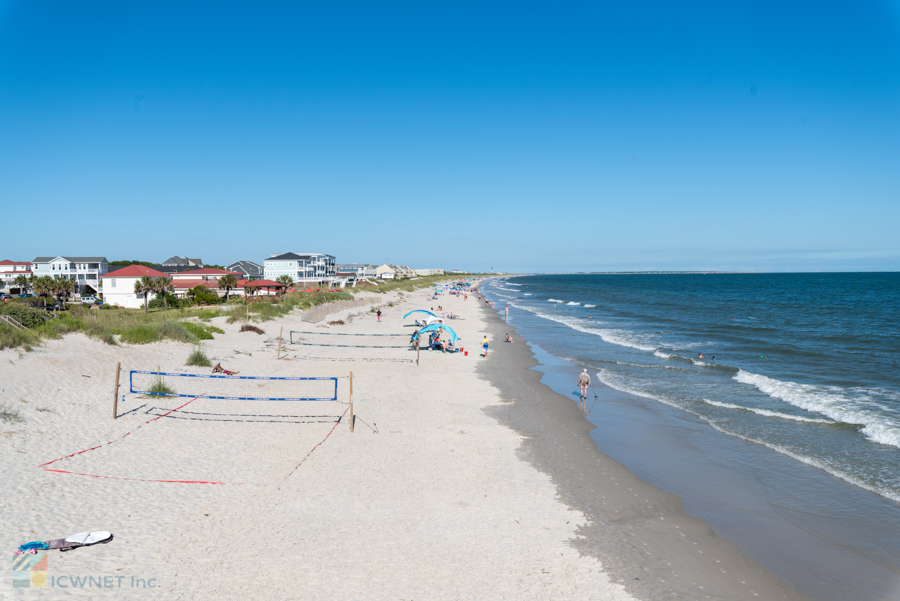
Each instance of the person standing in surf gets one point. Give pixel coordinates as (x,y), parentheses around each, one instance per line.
(584,380)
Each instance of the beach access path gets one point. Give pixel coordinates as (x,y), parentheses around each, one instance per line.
(436,505)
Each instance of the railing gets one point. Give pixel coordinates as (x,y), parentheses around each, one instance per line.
(11,322)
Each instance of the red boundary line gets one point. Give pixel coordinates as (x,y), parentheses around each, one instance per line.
(320,444)
(173,481)
(123,436)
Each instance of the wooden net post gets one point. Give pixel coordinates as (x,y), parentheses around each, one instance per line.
(116,393)
(280,332)
(351,401)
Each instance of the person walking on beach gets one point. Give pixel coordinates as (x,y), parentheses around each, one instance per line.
(378,313)
(507,312)
(584,380)
(484,343)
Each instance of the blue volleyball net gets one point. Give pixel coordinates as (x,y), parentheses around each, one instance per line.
(241,388)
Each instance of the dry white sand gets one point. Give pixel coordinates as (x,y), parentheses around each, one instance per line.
(436,505)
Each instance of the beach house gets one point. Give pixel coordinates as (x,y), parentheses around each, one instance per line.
(394,272)
(248,269)
(363,270)
(118,286)
(429,272)
(9,271)
(207,277)
(183,262)
(86,272)
(305,268)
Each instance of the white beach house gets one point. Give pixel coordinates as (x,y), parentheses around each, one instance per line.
(304,269)
(10,270)
(118,286)
(84,271)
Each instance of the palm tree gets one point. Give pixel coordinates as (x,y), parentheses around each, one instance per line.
(22,282)
(145,286)
(227,282)
(286,281)
(164,286)
(62,287)
(43,286)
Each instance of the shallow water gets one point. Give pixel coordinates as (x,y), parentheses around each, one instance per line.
(811,431)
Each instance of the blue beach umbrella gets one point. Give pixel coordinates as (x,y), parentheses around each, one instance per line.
(419,311)
(439,326)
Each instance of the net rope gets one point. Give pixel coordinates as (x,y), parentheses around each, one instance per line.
(244,388)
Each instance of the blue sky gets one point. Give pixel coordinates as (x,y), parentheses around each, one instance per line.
(521,136)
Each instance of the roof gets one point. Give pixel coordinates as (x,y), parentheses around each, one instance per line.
(295,256)
(246,268)
(182,261)
(188,284)
(72,259)
(134,271)
(354,266)
(263,284)
(8,262)
(208,271)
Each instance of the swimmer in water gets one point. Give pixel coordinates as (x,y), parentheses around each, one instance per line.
(700,356)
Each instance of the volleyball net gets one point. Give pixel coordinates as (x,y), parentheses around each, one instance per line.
(241,388)
(299,338)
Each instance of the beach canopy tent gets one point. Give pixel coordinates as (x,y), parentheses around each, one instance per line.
(419,311)
(438,326)
(257,285)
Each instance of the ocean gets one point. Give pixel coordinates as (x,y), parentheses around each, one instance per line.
(803,367)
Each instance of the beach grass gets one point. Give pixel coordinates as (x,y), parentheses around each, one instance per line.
(15,338)
(197,330)
(9,414)
(267,310)
(198,358)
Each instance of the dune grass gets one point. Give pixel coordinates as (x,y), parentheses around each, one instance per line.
(198,358)
(267,310)
(9,414)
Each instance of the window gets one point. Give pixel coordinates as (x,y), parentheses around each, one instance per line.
(112,283)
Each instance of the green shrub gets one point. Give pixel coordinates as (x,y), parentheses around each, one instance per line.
(214,329)
(157,303)
(199,358)
(206,314)
(197,330)
(25,315)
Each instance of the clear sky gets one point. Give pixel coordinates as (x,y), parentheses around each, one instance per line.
(523,136)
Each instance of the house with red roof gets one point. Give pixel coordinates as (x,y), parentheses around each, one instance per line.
(118,286)
(207,277)
(10,270)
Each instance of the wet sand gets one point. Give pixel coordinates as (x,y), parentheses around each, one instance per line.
(641,534)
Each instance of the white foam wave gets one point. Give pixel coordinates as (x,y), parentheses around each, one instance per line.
(528,293)
(838,473)
(573,304)
(619,337)
(589,306)
(767,413)
(663,355)
(831,401)
(555,300)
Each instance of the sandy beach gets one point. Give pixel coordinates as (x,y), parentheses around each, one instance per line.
(465,478)
(436,504)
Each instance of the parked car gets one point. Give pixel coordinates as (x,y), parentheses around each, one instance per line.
(89,299)
(5,297)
